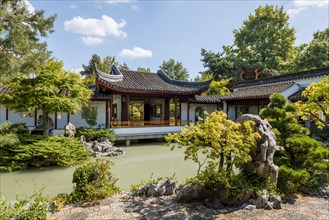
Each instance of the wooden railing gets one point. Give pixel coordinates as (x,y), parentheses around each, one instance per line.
(134,124)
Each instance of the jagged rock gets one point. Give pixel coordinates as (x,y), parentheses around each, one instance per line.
(276,201)
(101,147)
(248,207)
(190,192)
(152,190)
(69,130)
(323,191)
(262,157)
(245,195)
(165,187)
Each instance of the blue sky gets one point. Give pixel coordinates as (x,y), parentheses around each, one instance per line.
(144,33)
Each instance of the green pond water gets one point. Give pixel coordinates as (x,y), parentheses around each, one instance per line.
(140,162)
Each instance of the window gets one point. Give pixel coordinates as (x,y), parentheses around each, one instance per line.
(199,114)
(157,111)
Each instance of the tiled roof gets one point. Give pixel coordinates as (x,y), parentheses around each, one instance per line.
(263,88)
(259,91)
(156,83)
(211,99)
(286,77)
(297,95)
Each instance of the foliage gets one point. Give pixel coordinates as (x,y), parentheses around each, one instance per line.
(42,151)
(89,114)
(92,134)
(316,53)
(94,181)
(144,70)
(174,70)
(30,207)
(218,88)
(302,156)
(225,144)
(316,102)
(21,40)
(265,42)
(266,38)
(52,90)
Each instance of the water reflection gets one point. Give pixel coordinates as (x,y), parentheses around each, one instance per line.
(141,161)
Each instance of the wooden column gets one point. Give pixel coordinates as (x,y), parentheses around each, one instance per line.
(55,120)
(175,100)
(35,118)
(7,114)
(68,117)
(188,111)
(166,110)
(217,106)
(127,106)
(106,114)
(111,111)
(236,110)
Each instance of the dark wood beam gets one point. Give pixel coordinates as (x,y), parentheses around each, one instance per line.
(7,114)
(188,112)
(106,114)
(110,108)
(68,117)
(127,103)
(175,100)
(35,118)
(56,120)
(235,110)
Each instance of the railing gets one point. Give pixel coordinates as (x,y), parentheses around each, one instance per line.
(134,124)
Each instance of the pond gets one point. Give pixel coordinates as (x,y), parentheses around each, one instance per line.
(140,162)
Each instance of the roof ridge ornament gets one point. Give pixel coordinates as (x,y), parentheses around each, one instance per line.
(169,80)
(113,76)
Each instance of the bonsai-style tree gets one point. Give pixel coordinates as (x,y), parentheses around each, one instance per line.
(51,90)
(302,160)
(89,114)
(316,103)
(224,143)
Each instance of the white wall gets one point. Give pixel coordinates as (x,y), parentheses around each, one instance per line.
(77,121)
(117,100)
(18,117)
(231,112)
(2,113)
(206,107)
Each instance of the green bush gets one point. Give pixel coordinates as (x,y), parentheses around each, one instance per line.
(42,151)
(141,188)
(292,181)
(91,134)
(33,207)
(94,181)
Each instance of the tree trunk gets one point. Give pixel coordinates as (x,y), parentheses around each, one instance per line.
(45,122)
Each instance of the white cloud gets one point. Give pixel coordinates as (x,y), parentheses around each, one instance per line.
(73,6)
(29,6)
(92,40)
(301,5)
(136,52)
(96,27)
(295,11)
(115,2)
(134,7)
(311,3)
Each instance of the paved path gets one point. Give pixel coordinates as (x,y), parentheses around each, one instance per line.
(122,206)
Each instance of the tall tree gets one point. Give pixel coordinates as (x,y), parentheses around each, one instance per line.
(52,90)
(174,70)
(104,65)
(124,67)
(266,38)
(316,53)
(21,34)
(265,42)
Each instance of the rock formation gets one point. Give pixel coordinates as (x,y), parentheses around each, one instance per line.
(69,130)
(262,157)
(101,147)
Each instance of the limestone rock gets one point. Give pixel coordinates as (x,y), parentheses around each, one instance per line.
(214,203)
(262,157)
(101,147)
(69,130)
(190,192)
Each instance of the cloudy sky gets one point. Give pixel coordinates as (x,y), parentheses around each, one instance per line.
(144,33)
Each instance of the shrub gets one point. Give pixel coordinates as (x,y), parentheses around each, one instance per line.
(30,207)
(91,134)
(94,181)
(293,181)
(141,188)
(42,151)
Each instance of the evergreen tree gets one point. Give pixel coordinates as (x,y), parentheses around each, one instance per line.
(302,161)
(174,70)
(21,34)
